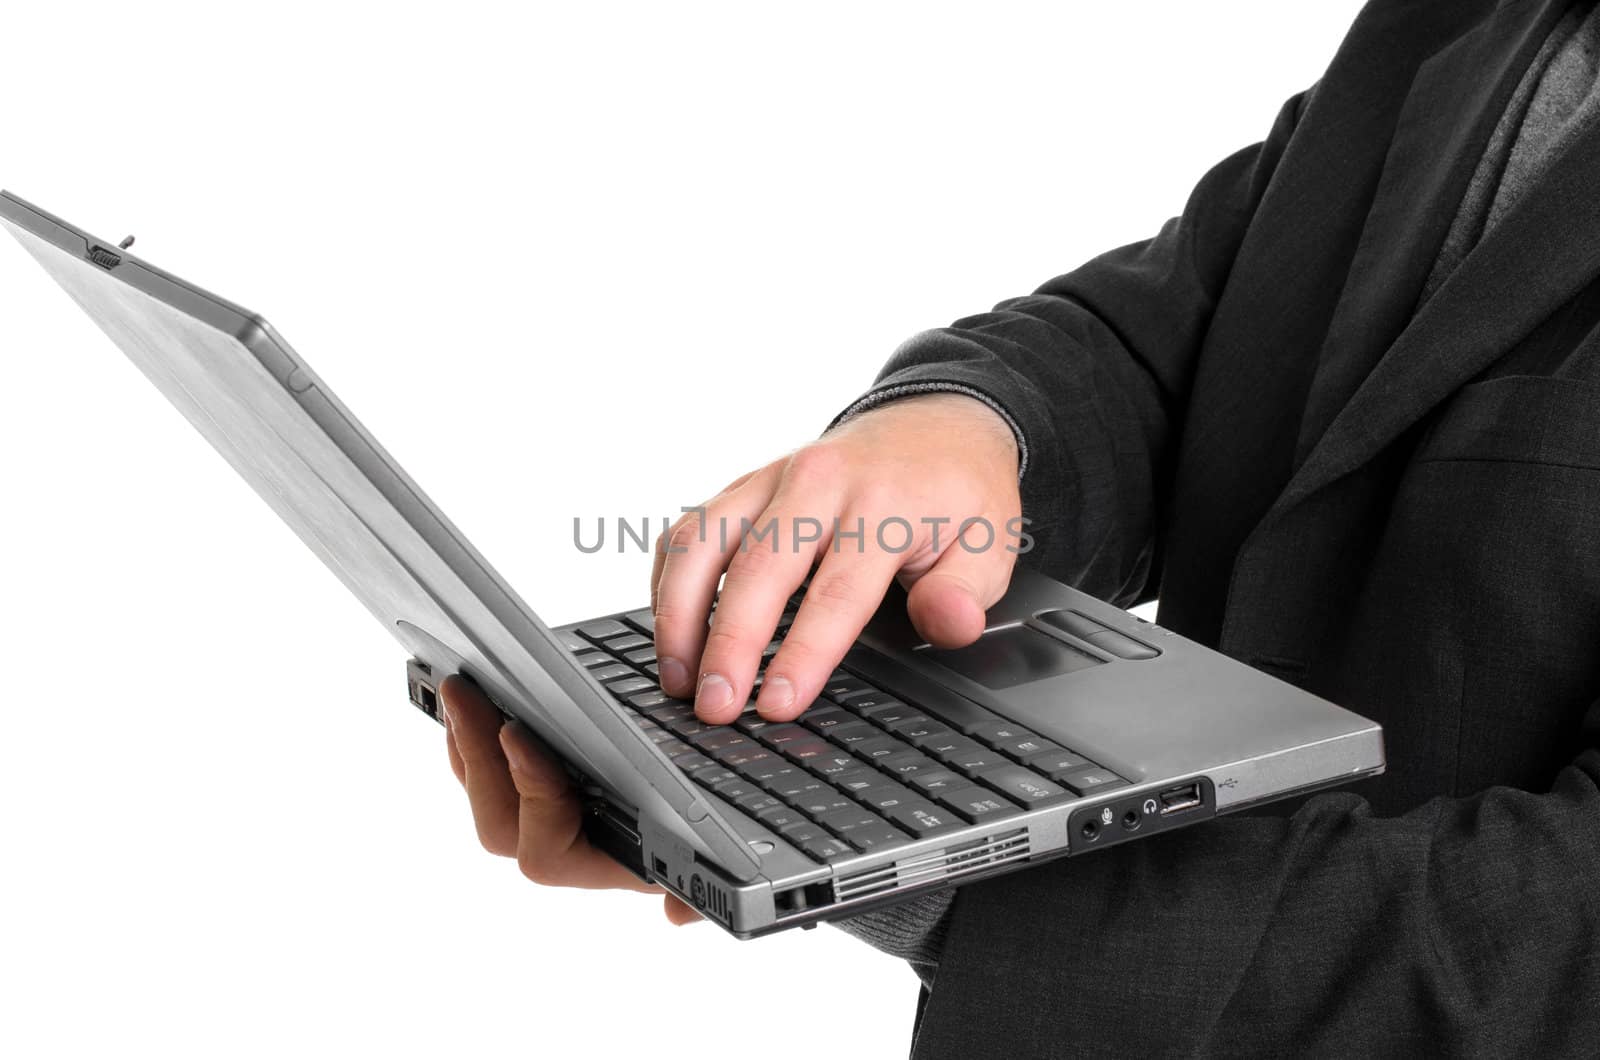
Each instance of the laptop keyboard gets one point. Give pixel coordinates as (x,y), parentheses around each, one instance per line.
(857,771)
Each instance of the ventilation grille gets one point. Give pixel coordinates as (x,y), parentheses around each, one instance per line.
(940,865)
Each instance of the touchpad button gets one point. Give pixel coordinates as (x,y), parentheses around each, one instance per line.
(1010,656)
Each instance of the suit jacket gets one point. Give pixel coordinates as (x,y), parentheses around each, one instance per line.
(1394,505)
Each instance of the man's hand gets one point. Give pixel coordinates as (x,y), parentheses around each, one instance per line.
(524,804)
(908,475)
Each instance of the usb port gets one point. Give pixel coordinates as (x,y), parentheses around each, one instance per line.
(1181,798)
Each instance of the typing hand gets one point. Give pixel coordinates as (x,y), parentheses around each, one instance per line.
(524,804)
(893,473)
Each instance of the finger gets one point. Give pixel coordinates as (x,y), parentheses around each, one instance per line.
(659,563)
(769,566)
(844,593)
(475,728)
(457,766)
(678,912)
(695,554)
(948,604)
(550,846)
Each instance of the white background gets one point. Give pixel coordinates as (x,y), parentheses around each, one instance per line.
(573,259)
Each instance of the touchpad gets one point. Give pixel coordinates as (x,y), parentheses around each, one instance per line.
(1011,655)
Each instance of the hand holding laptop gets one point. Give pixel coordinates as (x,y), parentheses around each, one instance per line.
(932,453)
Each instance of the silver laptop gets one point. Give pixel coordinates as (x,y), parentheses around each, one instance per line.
(1068,727)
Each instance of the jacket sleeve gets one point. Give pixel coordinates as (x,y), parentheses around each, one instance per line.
(1467,927)
(1092,371)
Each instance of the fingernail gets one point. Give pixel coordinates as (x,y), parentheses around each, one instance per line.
(674,675)
(714,695)
(516,754)
(777,696)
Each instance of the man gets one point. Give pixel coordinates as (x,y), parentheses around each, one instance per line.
(1343,417)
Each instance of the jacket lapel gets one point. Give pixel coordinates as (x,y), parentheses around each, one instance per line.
(1453,106)
(1538,257)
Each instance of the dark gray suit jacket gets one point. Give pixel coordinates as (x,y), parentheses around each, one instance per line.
(1395,506)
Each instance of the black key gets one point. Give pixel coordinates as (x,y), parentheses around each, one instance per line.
(764,768)
(778,816)
(783,778)
(1052,762)
(777,735)
(792,784)
(920,727)
(630,642)
(808,748)
(751,722)
(907,763)
(843,684)
(821,719)
(887,714)
(771,649)
(944,744)
(628,686)
(754,803)
(612,672)
(661,736)
(646,700)
(602,628)
(996,733)
(1023,785)
(899,725)
(675,748)
(669,712)
(884,797)
(740,758)
(848,736)
(642,656)
(878,747)
(654,671)
(721,738)
(840,822)
(977,805)
(858,780)
(736,789)
(818,803)
(974,762)
(692,761)
(960,715)
(712,775)
(642,619)
(1091,780)
(825,850)
(922,818)
(832,765)
(591,659)
(872,837)
(938,780)
(570,640)
(689,725)
(646,724)
(1028,746)
(865,699)
(804,832)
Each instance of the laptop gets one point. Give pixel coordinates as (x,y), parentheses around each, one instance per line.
(1068,727)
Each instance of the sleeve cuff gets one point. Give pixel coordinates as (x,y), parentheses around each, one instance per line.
(873,398)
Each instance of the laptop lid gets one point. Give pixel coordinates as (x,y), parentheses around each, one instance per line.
(280,427)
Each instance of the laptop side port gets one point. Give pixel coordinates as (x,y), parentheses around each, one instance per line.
(1181,798)
(422,690)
